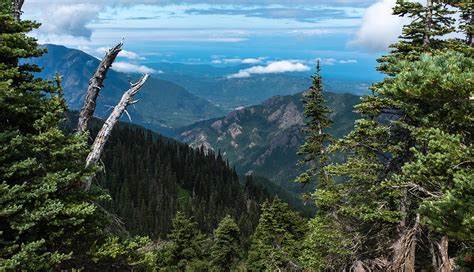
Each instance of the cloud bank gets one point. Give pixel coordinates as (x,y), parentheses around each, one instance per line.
(124,53)
(379,28)
(277,67)
(69,19)
(126,67)
(238,61)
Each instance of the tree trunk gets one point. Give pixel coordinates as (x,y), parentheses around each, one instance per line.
(404,249)
(16,8)
(470,33)
(428,22)
(445,265)
(104,133)
(95,85)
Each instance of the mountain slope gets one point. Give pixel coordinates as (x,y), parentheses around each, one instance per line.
(150,177)
(230,93)
(163,104)
(264,139)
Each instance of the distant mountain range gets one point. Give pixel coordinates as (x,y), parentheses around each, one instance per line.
(163,104)
(263,140)
(211,83)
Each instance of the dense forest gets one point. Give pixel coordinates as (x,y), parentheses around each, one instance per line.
(150,178)
(402,199)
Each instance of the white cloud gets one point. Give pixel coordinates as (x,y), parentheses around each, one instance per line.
(238,61)
(70,19)
(327,61)
(126,67)
(276,67)
(380,27)
(349,61)
(124,53)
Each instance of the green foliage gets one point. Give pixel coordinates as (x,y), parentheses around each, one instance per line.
(187,249)
(317,116)
(46,220)
(150,177)
(421,35)
(277,241)
(410,156)
(119,254)
(225,250)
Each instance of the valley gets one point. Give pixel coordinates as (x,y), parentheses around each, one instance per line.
(259,138)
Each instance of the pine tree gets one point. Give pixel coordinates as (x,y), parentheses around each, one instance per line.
(46,221)
(277,241)
(225,250)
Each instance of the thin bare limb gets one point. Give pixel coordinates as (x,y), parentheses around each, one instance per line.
(95,85)
(105,131)
(412,187)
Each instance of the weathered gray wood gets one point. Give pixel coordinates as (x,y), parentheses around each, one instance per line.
(105,131)
(428,22)
(95,85)
(16,8)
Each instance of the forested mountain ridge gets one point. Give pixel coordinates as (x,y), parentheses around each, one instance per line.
(401,198)
(264,139)
(164,104)
(150,177)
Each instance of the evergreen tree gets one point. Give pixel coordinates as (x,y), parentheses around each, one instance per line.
(225,250)
(429,24)
(187,249)
(276,243)
(466,23)
(397,187)
(45,220)
(317,114)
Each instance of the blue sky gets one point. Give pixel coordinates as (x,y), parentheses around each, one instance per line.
(346,35)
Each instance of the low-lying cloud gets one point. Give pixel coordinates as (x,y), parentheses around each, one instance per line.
(126,67)
(349,61)
(277,67)
(238,61)
(124,53)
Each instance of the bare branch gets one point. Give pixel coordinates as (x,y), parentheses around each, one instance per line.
(95,85)
(128,115)
(104,133)
(415,187)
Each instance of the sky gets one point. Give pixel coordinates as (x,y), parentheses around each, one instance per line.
(269,36)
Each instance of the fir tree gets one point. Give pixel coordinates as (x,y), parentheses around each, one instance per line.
(396,178)
(225,250)
(46,221)
(429,23)
(317,114)
(187,247)
(276,243)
